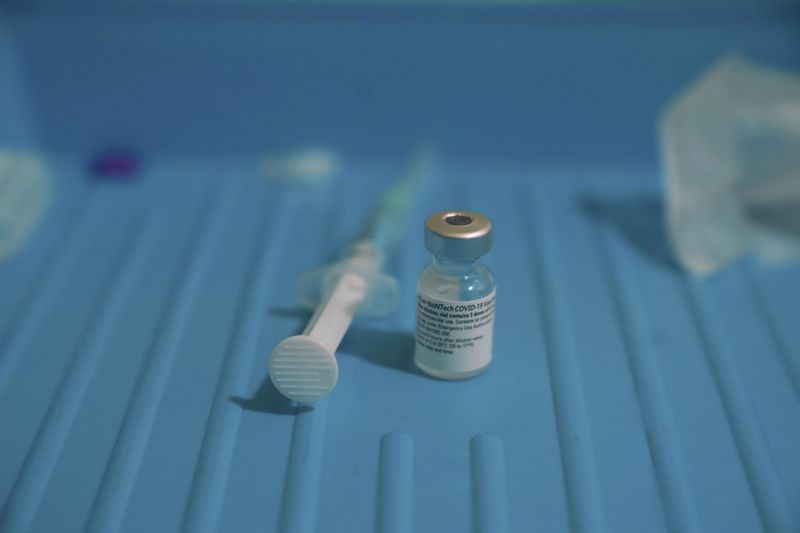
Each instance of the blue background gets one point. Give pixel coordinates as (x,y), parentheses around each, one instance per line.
(136,324)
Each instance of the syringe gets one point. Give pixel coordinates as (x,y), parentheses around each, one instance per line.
(303,367)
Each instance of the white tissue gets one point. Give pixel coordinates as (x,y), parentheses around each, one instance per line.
(309,166)
(24,195)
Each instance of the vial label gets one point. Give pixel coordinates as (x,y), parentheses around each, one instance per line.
(454,338)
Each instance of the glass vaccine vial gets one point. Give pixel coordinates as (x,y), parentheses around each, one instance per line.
(455,297)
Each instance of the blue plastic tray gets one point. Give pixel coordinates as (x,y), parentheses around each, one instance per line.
(136,324)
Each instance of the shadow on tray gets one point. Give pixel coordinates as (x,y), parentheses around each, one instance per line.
(639,219)
(267,399)
(392,349)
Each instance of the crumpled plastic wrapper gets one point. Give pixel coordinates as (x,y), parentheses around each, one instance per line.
(730,148)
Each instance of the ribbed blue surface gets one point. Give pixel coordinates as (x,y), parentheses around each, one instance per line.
(623,396)
(136,324)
